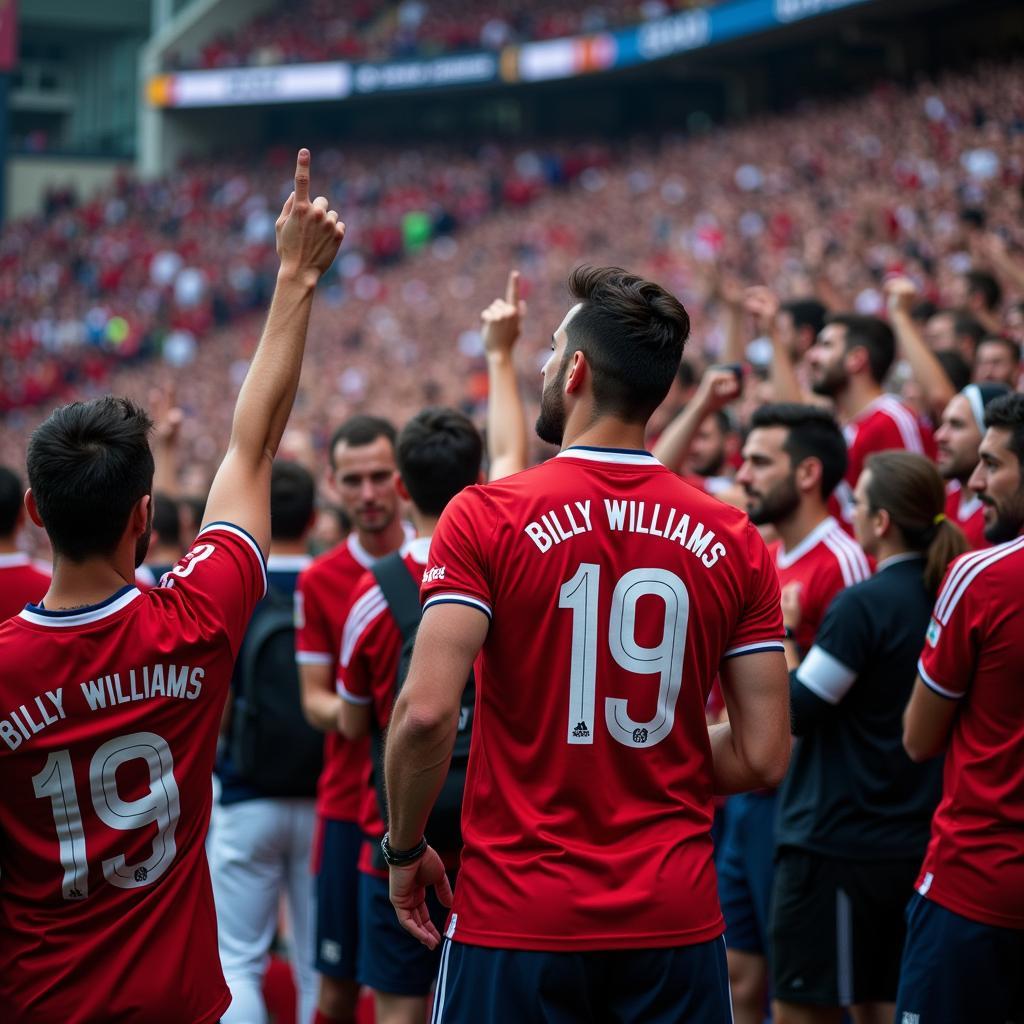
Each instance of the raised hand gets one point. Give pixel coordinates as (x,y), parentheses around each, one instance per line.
(763,304)
(167,417)
(900,294)
(503,318)
(308,233)
(719,386)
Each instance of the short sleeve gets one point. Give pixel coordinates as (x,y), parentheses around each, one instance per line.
(222,578)
(354,683)
(759,627)
(846,632)
(314,643)
(457,570)
(950,653)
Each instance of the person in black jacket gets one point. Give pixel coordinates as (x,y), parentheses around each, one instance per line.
(854,811)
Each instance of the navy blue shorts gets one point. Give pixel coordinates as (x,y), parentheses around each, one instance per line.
(390,959)
(746,869)
(683,985)
(337,899)
(956,970)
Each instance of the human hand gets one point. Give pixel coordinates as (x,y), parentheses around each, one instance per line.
(792,612)
(763,305)
(502,319)
(167,417)
(308,234)
(719,386)
(900,295)
(408,890)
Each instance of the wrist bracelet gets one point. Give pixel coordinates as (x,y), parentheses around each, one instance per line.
(401,858)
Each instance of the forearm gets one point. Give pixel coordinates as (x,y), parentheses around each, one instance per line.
(926,369)
(165,470)
(732,771)
(785,383)
(507,443)
(416,760)
(733,351)
(674,444)
(268,391)
(320,703)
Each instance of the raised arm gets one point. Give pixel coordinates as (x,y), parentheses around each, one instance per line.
(308,237)
(763,304)
(718,387)
(167,418)
(507,443)
(938,389)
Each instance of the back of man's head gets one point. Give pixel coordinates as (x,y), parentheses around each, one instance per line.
(360,430)
(632,333)
(811,432)
(874,336)
(166,520)
(292,500)
(88,465)
(439,452)
(967,327)
(11,493)
(806,313)
(985,288)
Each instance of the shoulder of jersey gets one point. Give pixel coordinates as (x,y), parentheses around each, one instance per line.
(339,553)
(849,556)
(968,569)
(365,610)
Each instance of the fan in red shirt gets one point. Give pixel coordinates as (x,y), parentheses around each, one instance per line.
(848,363)
(603,595)
(958,437)
(111,699)
(965,934)
(21,580)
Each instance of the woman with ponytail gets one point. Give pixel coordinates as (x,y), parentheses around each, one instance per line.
(854,810)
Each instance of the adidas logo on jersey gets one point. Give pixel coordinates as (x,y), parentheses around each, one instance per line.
(581,732)
(434,573)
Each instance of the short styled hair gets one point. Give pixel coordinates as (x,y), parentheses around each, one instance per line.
(874,336)
(811,432)
(439,452)
(88,465)
(806,313)
(981,282)
(632,333)
(361,430)
(166,519)
(292,500)
(11,493)
(1007,413)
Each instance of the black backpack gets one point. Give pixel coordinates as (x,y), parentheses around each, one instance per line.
(273,747)
(444,826)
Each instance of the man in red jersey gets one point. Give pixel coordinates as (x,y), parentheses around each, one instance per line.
(111,700)
(965,924)
(362,455)
(849,362)
(603,595)
(957,440)
(793,459)
(21,582)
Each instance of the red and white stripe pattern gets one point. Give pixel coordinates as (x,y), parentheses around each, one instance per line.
(853,563)
(360,617)
(905,421)
(965,571)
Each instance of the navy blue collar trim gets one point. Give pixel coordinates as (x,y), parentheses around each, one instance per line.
(85,609)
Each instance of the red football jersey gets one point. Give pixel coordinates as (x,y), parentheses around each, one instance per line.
(323,597)
(22,582)
(973,653)
(371,645)
(822,564)
(883,424)
(965,508)
(109,718)
(615,590)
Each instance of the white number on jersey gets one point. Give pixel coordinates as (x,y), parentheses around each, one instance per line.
(580,595)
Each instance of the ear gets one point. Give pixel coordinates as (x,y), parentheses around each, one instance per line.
(577,374)
(140,514)
(330,488)
(30,506)
(808,475)
(884,521)
(403,491)
(856,360)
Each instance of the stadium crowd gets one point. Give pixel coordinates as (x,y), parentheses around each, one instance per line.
(316,30)
(856,281)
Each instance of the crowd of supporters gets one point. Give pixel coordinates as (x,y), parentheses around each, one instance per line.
(318,30)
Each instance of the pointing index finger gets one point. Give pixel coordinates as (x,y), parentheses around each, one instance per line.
(302,177)
(512,288)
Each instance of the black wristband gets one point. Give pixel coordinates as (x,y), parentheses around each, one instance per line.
(401,858)
(787,633)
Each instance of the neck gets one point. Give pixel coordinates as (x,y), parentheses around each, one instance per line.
(793,530)
(385,541)
(606,432)
(289,547)
(424,525)
(858,395)
(81,583)
(888,547)
(7,546)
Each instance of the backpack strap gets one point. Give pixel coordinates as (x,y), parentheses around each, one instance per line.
(400,590)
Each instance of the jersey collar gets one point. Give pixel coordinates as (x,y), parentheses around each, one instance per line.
(618,456)
(907,556)
(12,559)
(784,559)
(40,616)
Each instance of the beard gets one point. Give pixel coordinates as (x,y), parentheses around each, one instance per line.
(1008,521)
(831,382)
(712,465)
(777,505)
(550,426)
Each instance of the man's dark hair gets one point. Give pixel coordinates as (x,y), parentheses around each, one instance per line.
(965,325)
(11,493)
(806,313)
(1011,346)
(812,432)
(438,453)
(981,282)
(88,464)
(292,499)
(166,519)
(632,333)
(923,311)
(871,334)
(359,430)
(958,370)
(1007,413)
(194,507)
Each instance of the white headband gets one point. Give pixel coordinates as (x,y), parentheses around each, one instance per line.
(973,395)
